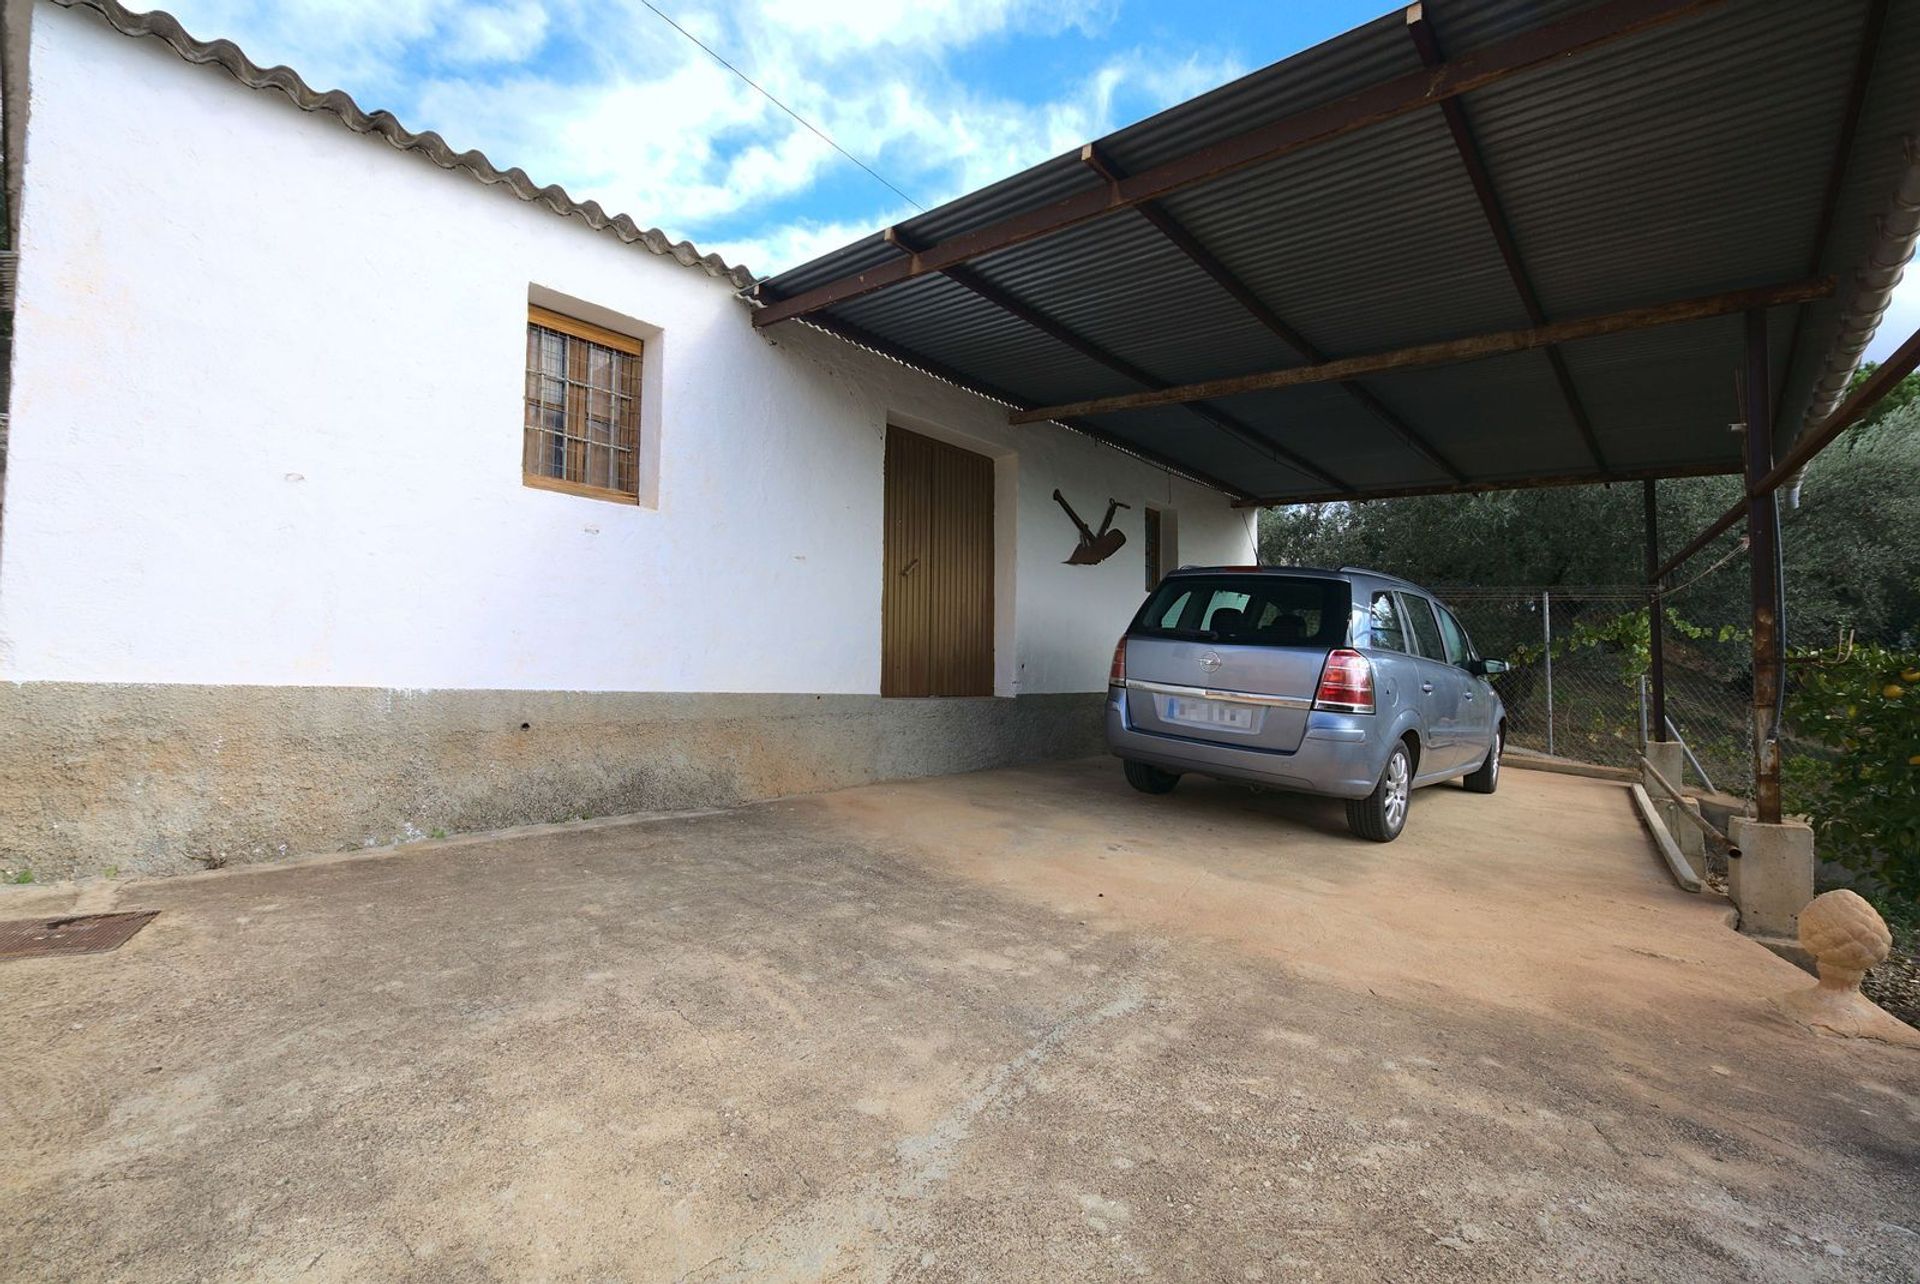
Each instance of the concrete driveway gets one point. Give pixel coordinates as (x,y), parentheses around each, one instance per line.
(1021,1025)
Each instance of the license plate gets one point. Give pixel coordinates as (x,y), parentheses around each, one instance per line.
(1209,713)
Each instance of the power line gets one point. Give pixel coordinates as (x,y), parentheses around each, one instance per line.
(818,133)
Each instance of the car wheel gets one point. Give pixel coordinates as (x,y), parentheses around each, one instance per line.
(1382,814)
(1150,780)
(1485,778)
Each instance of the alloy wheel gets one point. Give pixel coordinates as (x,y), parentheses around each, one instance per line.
(1399,785)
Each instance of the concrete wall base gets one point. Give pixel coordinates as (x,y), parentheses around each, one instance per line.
(164,778)
(1671,759)
(1772,880)
(1692,840)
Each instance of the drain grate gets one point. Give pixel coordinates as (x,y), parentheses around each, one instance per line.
(76,934)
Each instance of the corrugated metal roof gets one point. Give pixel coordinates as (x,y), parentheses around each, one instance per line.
(228,56)
(1683,160)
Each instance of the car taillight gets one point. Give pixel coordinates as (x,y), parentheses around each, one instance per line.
(1346,684)
(1117,675)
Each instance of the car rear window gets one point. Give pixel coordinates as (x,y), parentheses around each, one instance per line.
(1247,610)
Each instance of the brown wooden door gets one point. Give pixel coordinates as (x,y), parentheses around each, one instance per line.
(936,605)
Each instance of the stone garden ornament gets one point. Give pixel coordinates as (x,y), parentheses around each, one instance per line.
(1846,936)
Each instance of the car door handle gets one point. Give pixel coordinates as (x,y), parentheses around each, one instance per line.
(1469,695)
(1426,686)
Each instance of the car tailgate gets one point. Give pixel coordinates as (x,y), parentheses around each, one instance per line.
(1253,697)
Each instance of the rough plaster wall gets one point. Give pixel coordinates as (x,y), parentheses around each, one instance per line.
(159,779)
(267,430)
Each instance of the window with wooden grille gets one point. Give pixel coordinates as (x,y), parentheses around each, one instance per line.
(1154,572)
(583,408)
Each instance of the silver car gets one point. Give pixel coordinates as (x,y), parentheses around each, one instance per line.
(1350,683)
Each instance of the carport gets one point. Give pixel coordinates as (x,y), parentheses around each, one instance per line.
(1472,245)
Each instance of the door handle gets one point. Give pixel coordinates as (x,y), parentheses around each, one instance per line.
(1426,686)
(910,565)
(1469,695)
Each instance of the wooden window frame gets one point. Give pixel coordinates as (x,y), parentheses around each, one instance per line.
(625,344)
(1153,540)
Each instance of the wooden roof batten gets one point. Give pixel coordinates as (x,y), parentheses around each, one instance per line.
(1451,351)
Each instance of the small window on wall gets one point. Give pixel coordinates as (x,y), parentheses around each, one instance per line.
(1159,546)
(583,409)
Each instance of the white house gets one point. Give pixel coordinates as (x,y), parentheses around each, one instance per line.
(355,490)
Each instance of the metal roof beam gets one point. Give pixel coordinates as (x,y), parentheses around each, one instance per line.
(1450,351)
(905,356)
(1189,245)
(1591,28)
(1885,378)
(971,280)
(1485,487)
(1464,145)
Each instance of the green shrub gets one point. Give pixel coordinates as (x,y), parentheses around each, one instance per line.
(1864,790)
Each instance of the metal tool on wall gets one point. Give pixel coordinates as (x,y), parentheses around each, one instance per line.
(1094,547)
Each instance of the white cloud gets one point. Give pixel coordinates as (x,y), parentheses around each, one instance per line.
(497,33)
(831,29)
(640,119)
(356,45)
(796,242)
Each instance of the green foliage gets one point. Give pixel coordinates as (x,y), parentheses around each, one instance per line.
(1904,394)
(1864,792)
(437,833)
(1852,548)
(24,876)
(1626,634)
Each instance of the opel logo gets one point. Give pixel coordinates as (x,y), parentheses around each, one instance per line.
(1210,661)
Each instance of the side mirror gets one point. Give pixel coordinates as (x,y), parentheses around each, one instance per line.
(1486,668)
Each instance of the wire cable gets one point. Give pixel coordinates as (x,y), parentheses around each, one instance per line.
(817,132)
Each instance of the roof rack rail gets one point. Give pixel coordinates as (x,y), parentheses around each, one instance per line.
(1383,575)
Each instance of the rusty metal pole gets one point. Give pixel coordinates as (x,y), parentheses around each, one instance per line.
(1657,657)
(1546,633)
(1763,554)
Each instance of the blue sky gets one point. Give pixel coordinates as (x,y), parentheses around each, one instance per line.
(939,96)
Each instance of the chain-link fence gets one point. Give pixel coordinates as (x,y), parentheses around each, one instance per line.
(1577,685)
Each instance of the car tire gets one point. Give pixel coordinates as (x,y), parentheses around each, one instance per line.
(1149,779)
(1485,778)
(1382,814)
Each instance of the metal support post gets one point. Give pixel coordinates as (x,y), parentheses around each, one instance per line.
(1763,551)
(1657,655)
(1546,630)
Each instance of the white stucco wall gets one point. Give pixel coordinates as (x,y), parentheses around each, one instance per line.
(267,430)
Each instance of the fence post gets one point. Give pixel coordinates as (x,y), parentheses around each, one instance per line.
(1642,684)
(1656,610)
(1546,628)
